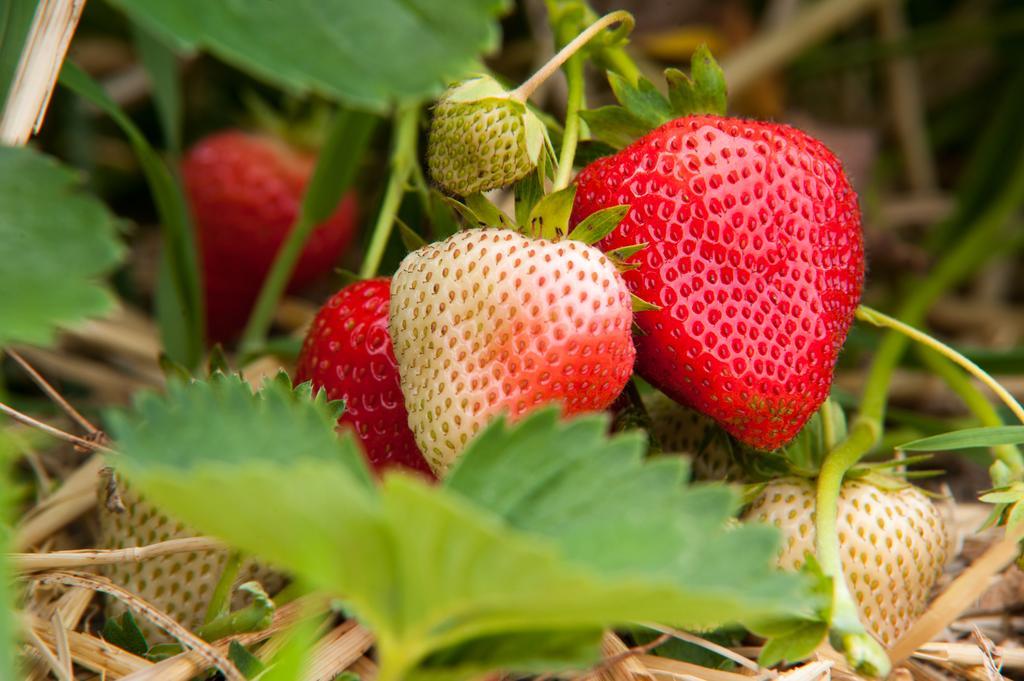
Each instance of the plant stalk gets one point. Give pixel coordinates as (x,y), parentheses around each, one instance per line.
(571,134)
(349,135)
(622,17)
(403,159)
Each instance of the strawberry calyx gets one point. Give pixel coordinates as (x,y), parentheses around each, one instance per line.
(549,219)
(643,108)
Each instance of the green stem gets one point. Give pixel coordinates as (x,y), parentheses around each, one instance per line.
(571,134)
(879,319)
(619,61)
(348,138)
(976,402)
(972,250)
(403,158)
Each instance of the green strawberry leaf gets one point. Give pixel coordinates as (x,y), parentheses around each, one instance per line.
(125,634)
(795,638)
(967,438)
(367,54)
(460,578)
(599,224)
(549,218)
(56,244)
(703,93)
(275,424)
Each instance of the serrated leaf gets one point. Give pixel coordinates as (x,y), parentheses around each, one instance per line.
(703,92)
(367,54)
(549,218)
(614,125)
(599,224)
(642,101)
(274,424)
(443,570)
(543,476)
(125,633)
(967,438)
(56,244)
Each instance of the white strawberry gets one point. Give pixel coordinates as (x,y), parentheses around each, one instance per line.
(489,321)
(681,430)
(893,543)
(179,584)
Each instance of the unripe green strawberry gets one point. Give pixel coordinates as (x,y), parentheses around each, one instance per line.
(893,545)
(681,430)
(481,138)
(489,321)
(180,584)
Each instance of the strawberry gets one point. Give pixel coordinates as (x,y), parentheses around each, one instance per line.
(893,543)
(348,353)
(180,584)
(754,256)
(490,321)
(482,138)
(681,430)
(244,191)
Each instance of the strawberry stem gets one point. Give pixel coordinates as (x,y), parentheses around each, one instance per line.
(974,249)
(621,17)
(574,102)
(976,402)
(348,138)
(403,158)
(866,314)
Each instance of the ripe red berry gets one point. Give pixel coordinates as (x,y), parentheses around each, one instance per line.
(348,353)
(754,255)
(244,191)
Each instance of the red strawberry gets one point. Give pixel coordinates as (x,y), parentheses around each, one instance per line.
(754,256)
(489,321)
(245,191)
(348,353)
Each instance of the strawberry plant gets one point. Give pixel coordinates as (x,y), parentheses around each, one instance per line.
(441,341)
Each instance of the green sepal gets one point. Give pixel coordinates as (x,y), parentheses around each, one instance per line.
(641,305)
(549,219)
(624,253)
(642,107)
(599,224)
(487,213)
(703,91)
(642,101)
(614,125)
(410,239)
